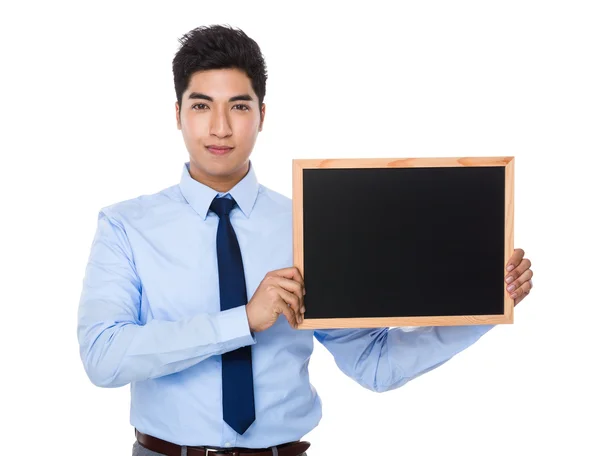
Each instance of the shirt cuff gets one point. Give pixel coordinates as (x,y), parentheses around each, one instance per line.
(233,328)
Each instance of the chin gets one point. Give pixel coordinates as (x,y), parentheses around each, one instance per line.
(216,166)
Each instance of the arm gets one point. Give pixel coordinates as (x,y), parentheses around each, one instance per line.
(382,359)
(115,347)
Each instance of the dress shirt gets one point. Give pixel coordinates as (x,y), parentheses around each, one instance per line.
(149,316)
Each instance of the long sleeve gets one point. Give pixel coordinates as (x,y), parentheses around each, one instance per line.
(383,359)
(115,347)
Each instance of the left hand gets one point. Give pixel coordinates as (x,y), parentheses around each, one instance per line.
(518,280)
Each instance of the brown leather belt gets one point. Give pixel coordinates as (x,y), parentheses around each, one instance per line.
(172,449)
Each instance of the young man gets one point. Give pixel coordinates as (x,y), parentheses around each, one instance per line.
(165,305)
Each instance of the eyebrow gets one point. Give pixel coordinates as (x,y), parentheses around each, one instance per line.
(201,96)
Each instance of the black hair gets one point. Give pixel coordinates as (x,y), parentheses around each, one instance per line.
(217,47)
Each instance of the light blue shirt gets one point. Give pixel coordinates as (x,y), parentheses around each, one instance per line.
(149,316)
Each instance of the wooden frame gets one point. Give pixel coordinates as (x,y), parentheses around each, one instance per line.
(299,165)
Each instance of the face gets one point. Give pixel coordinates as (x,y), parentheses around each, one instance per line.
(219,119)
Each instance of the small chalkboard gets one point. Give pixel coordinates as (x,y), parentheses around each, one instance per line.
(404,242)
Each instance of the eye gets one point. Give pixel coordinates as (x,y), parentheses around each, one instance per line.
(201,106)
(242,107)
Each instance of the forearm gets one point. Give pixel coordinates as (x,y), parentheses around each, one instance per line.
(115,346)
(117,353)
(409,354)
(382,359)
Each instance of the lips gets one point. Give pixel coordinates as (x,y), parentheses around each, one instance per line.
(219,150)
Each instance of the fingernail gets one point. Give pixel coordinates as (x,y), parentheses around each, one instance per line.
(304,290)
(514,295)
(510,267)
(510,288)
(509,279)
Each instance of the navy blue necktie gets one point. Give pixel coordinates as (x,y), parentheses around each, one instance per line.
(238,385)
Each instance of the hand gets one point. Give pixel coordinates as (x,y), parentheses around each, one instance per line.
(280,292)
(518,279)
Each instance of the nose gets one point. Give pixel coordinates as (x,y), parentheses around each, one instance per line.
(219,123)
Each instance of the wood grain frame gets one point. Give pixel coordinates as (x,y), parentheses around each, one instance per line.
(298,165)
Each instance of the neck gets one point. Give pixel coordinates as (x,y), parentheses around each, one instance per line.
(221,184)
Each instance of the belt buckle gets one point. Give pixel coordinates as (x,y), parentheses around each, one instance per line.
(209,451)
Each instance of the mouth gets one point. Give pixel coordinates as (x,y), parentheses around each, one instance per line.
(219,150)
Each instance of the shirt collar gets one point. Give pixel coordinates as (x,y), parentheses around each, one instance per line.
(200,196)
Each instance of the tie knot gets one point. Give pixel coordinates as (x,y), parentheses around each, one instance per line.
(222,206)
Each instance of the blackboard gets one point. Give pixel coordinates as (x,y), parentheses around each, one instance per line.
(404,241)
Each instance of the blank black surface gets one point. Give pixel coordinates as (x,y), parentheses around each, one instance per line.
(399,242)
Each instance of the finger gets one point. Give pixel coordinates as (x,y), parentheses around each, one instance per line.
(514,285)
(515,259)
(292,301)
(289,285)
(291,273)
(525,265)
(289,313)
(523,291)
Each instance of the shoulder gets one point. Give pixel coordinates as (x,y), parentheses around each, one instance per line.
(277,201)
(144,206)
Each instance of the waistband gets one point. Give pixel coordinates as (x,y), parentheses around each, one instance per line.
(172,449)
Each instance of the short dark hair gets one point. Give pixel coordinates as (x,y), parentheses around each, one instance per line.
(217,47)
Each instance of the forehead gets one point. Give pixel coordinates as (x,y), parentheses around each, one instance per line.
(222,83)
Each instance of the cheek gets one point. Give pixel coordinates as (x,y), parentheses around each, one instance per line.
(192,126)
(248,130)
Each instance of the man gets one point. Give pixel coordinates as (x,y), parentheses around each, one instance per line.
(165,305)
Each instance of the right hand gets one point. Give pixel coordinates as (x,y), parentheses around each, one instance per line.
(280,292)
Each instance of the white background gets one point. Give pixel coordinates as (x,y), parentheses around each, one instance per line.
(88,119)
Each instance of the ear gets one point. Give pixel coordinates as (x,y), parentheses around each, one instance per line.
(262,117)
(177,115)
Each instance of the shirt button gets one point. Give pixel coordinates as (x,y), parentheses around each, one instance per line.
(227,444)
